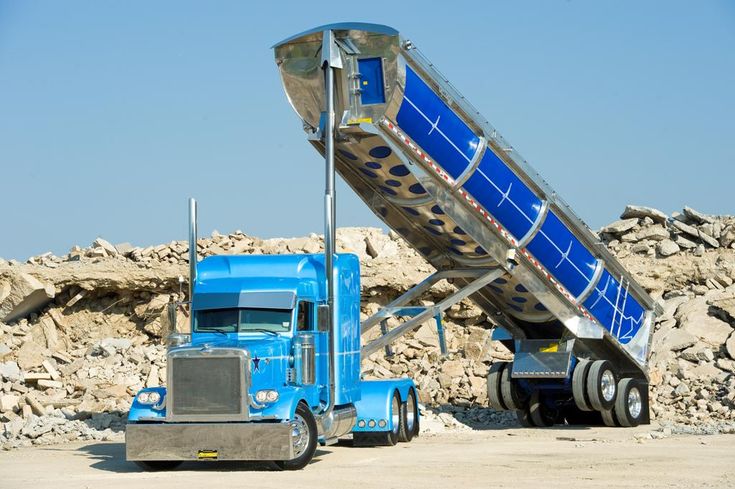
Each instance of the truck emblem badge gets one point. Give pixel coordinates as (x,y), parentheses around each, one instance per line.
(256,363)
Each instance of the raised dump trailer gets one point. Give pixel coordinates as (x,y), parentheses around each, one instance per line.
(436,172)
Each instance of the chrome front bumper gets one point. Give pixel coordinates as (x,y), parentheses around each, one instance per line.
(208,441)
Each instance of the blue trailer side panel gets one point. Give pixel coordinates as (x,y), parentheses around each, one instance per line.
(435,127)
(504,195)
(563,255)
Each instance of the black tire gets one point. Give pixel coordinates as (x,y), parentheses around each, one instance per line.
(381,438)
(158,465)
(608,418)
(511,395)
(579,385)
(602,385)
(303,420)
(494,397)
(541,415)
(630,405)
(524,418)
(409,418)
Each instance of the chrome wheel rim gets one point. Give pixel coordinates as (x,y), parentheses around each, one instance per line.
(634,402)
(607,385)
(410,414)
(299,435)
(396,414)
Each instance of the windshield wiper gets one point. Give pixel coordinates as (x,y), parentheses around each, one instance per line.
(214,330)
(263,330)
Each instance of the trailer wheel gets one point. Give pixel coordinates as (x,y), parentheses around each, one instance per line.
(541,415)
(609,418)
(579,385)
(304,438)
(524,418)
(494,397)
(601,385)
(158,465)
(630,404)
(409,418)
(511,395)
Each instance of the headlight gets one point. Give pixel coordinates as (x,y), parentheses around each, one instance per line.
(267,395)
(149,397)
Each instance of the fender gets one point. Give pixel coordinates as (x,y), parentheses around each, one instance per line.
(375,402)
(140,411)
(285,406)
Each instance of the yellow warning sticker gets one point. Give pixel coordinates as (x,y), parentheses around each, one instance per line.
(367,120)
(551,347)
(207,454)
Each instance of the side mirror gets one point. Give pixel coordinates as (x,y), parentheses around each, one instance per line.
(322,317)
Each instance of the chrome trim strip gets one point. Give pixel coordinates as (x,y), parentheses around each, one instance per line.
(476,159)
(593,282)
(536,225)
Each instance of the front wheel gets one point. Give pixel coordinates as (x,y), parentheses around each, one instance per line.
(303,438)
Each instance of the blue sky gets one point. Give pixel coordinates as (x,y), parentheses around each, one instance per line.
(113,113)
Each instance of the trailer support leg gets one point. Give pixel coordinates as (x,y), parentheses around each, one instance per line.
(485,277)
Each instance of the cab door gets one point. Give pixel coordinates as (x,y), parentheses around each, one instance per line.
(306,323)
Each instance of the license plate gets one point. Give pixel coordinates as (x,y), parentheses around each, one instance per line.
(207,454)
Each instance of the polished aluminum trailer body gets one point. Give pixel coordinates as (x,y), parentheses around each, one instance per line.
(436,172)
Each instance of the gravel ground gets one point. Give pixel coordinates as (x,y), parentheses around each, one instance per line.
(517,458)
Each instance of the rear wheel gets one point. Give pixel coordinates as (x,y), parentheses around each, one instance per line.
(158,465)
(601,385)
(303,438)
(512,396)
(609,418)
(579,385)
(524,418)
(494,397)
(630,403)
(541,415)
(409,425)
(382,438)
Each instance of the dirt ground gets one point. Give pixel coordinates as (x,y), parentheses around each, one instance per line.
(514,458)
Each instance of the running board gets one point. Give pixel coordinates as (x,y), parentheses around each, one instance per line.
(482,277)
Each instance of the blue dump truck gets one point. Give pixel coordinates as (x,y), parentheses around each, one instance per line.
(272,366)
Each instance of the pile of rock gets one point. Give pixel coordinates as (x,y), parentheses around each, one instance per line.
(649,231)
(367,243)
(80,334)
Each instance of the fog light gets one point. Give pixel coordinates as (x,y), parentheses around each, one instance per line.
(382,423)
(361,423)
(371,423)
(148,397)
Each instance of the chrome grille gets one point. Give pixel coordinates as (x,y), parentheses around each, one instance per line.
(206,386)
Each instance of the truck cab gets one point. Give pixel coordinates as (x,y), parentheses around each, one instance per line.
(253,381)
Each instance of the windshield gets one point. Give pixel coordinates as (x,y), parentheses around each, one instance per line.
(242,320)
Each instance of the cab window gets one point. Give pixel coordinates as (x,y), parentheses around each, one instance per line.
(305,316)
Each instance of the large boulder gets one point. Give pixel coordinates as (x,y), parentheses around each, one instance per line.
(694,318)
(21,294)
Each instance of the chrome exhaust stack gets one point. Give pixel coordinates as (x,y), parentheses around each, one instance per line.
(193,256)
(330,60)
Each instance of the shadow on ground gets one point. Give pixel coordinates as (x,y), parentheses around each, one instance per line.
(110,457)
